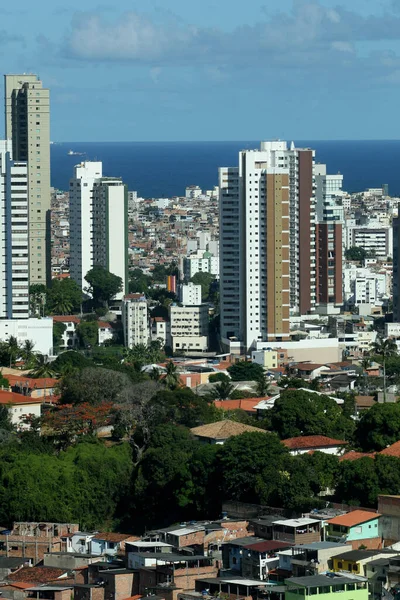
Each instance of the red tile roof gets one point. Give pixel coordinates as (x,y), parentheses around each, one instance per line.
(66,319)
(104,324)
(246,404)
(13,398)
(393,450)
(31,382)
(312,441)
(353,455)
(355,517)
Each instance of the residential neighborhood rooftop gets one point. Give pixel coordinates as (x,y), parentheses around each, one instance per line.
(355,517)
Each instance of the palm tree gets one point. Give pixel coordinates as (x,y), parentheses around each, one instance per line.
(13,349)
(27,352)
(224,389)
(42,368)
(171,379)
(385,349)
(263,385)
(155,374)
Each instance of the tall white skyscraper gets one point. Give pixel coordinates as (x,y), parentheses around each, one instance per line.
(81,219)
(27,124)
(267,243)
(110,228)
(98,224)
(14,245)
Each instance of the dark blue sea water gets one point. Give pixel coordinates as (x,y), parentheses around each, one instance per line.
(158,169)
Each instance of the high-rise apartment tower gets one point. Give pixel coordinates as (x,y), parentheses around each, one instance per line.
(254,250)
(267,242)
(27,124)
(14,255)
(81,219)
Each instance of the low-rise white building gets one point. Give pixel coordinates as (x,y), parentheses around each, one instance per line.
(70,338)
(20,406)
(135,320)
(190,294)
(189,328)
(38,331)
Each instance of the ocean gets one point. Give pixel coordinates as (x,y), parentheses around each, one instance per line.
(164,169)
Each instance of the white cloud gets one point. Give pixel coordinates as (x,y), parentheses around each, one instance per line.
(309,36)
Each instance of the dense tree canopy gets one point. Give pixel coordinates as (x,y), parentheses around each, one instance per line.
(355,253)
(94,386)
(63,297)
(298,412)
(204,280)
(103,285)
(245,370)
(379,426)
(93,480)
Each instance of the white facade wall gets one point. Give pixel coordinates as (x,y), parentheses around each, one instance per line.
(190,294)
(39,331)
(370,289)
(19,411)
(104,334)
(81,222)
(135,321)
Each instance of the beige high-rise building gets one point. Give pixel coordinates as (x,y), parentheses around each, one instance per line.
(27,115)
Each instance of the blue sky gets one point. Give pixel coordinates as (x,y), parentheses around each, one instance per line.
(211,70)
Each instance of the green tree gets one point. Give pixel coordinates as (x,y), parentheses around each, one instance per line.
(5,419)
(183,407)
(245,370)
(88,333)
(356,253)
(204,280)
(178,472)
(71,360)
(42,368)
(379,427)
(298,412)
(58,332)
(388,472)
(138,282)
(13,350)
(95,385)
(385,349)
(172,379)
(103,285)
(63,297)
(250,467)
(37,298)
(216,377)
(357,482)
(223,390)
(263,385)
(27,353)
